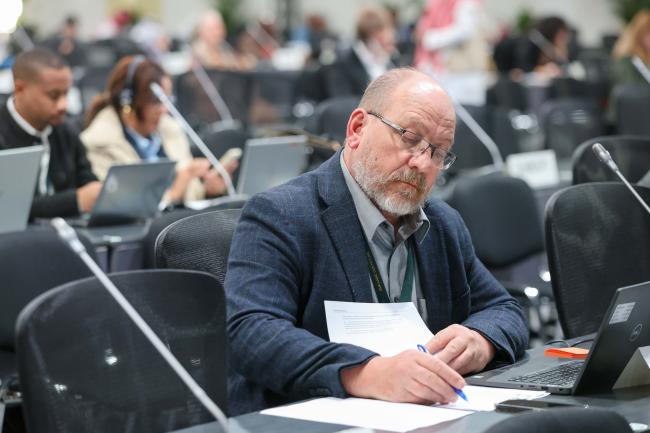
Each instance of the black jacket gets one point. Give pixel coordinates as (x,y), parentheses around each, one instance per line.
(69,167)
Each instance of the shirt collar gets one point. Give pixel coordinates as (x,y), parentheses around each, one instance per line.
(24,124)
(371,218)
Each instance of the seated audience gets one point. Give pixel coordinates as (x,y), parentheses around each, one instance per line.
(633,42)
(548,50)
(369,56)
(128,124)
(66,44)
(316,238)
(35,115)
(211,49)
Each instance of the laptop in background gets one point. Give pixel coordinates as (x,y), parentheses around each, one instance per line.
(131,192)
(272,161)
(625,327)
(18,174)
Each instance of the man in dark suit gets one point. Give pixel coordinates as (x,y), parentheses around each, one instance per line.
(315,239)
(35,115)
(367,58)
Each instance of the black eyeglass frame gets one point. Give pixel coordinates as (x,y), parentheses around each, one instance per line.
(441,157)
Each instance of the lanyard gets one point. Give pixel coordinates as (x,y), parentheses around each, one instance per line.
(378,284)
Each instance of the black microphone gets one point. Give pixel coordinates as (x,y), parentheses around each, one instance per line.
(69,236)
(604,156)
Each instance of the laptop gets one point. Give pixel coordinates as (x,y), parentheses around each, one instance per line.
(625,327)
(272,161)
(131,192)
(18,174)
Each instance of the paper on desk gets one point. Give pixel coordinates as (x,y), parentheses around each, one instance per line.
(374,414)
(484,398)
(385,328)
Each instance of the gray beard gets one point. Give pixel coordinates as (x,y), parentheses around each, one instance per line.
(373,184)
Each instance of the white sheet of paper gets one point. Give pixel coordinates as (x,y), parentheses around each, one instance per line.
(385,328)
(483,398)
(374,414)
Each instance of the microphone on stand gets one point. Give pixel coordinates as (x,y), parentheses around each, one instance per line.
(604,156)
(214,96)
(484,138)
(162,96)
(69,236)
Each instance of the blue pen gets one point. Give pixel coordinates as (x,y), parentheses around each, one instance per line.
(460,392)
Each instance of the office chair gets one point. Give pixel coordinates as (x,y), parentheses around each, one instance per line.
(563,421)
(503,218)
(31,262)
(85,367)
(631,104)
(568,122)
(468,148)
(165,220)
(597,240)
(200,242)
(330,117)
(273,96)
(631,154)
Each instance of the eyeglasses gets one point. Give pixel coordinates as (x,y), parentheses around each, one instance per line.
(417,145)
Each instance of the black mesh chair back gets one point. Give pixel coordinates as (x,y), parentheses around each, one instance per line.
(597,240)
(31,262)
(569,122)
(85,367)
(331,117)
(567,420)
(163,221)
(508,94)
(632,105)
(468,148)
(272,96)
(502,216)
(631,154)
(200,242)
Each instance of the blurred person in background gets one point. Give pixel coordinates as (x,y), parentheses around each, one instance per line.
(128,124)
(633,42)
(548,50)
(66,44)
(35,115)
(369,56)
(449,38)
(211,49)
(151,38)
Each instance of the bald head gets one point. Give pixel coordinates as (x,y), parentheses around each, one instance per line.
(211,27)
(29,64)
(380,92)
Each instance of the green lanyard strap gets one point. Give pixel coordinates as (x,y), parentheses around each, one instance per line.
(378,284)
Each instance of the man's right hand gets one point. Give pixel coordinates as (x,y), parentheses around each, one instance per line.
(409,377)
(87,196)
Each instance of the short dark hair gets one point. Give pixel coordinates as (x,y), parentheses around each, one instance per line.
(30,63)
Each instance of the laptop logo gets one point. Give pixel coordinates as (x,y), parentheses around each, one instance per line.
(636,332)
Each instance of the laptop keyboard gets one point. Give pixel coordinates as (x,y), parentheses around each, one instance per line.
(561,375)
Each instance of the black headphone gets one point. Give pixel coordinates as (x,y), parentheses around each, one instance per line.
(126,95)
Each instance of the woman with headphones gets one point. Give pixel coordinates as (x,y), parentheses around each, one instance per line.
(128,124)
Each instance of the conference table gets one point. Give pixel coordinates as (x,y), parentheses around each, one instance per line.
(631,403)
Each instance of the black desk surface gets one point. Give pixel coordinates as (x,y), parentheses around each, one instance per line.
(632,403)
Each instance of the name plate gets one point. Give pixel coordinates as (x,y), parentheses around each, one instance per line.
(538,169)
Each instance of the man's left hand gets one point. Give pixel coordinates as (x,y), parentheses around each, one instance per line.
(463,349)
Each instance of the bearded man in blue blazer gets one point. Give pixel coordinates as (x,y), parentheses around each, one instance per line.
(316,237)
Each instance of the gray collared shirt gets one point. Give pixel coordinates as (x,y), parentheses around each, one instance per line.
(389,252)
